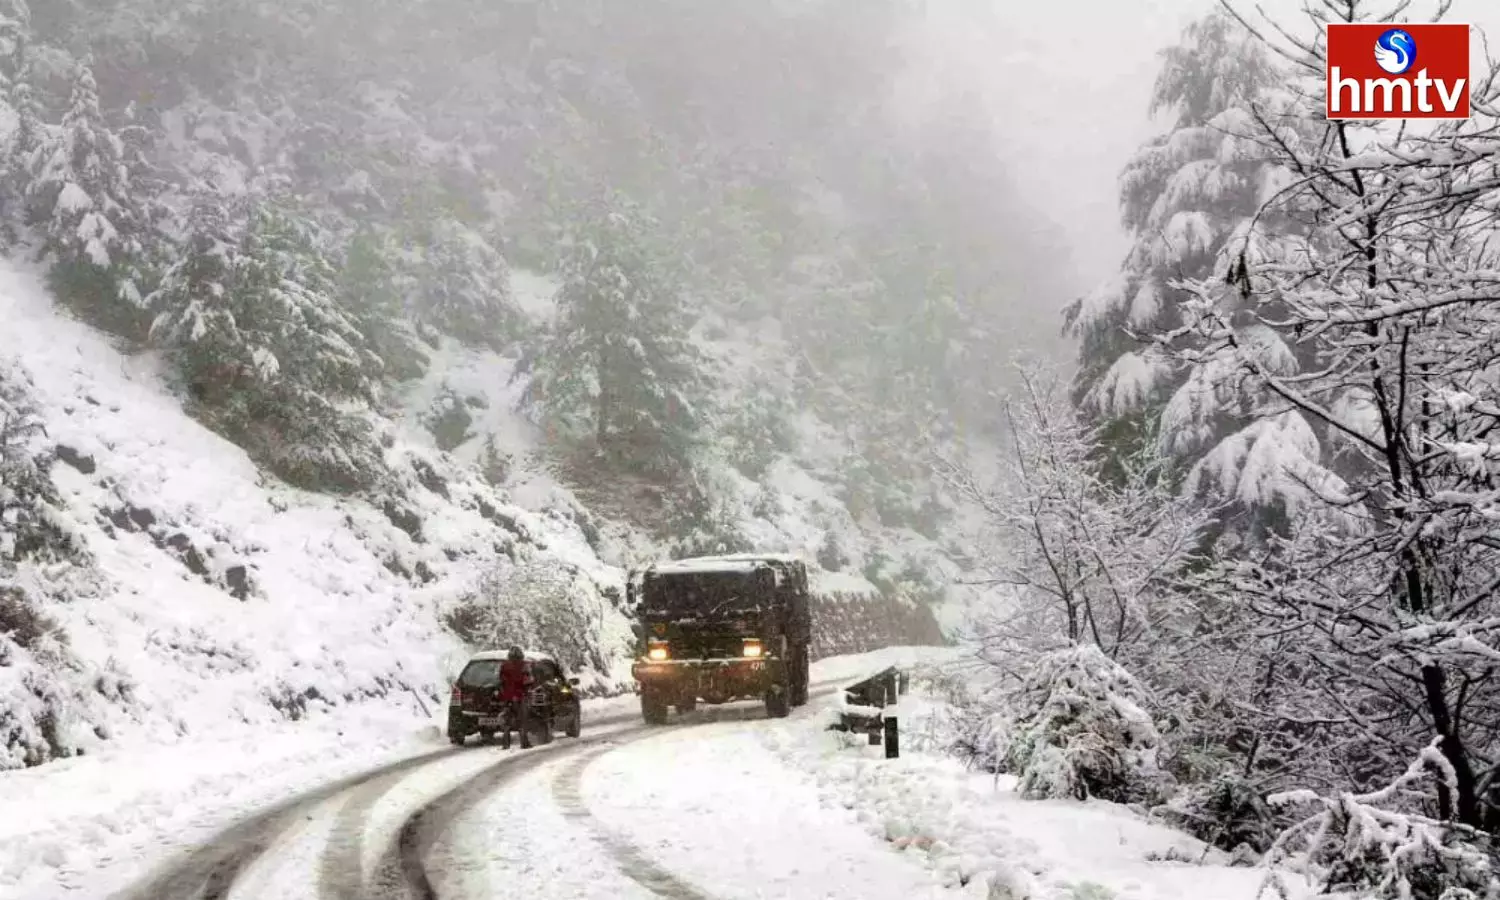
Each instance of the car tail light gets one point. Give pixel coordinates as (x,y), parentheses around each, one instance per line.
(457,696)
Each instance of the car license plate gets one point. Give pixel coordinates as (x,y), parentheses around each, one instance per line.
(487,721)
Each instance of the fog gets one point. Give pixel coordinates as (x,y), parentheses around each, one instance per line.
(912,191)
(1070,81)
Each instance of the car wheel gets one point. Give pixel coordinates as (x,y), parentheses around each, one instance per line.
(776,704)
(543,732)
(487,736)
(456,738)
(687,704)
(575,724)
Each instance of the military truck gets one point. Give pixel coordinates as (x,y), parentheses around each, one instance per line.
(719,629)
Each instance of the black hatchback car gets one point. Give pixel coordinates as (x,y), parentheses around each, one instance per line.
(474,707)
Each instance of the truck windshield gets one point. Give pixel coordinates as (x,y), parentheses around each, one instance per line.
(702,595)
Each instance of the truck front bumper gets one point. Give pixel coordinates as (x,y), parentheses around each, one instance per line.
(714,680)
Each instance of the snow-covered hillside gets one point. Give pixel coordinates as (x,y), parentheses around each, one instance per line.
(219,595)
(213,593)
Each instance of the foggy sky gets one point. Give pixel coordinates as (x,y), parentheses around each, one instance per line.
(1070,82)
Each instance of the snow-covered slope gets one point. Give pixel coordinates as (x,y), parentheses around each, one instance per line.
(794,506)
(220,595)
(215,594)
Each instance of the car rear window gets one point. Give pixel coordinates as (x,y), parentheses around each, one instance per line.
(481,673)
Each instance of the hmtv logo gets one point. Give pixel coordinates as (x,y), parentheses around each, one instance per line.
(1385,71)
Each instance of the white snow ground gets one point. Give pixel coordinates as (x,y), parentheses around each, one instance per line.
(972,827)
(713,807)
(730,808)
(85,826)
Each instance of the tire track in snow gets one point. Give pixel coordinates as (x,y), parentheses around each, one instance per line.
(341,871)
(634,864)
(405,866)
(403,872)
(209,871)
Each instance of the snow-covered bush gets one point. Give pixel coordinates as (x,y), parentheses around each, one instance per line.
(27,527)
(1229,812)
(1082,731)
(1373,844)
(965,721)
(449,419)
(34,709)
(544,605)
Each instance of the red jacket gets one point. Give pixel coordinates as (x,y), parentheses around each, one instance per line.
(515,677)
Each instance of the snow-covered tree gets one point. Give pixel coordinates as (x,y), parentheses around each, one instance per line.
(375,283)
(80,200)
(251,317)
(15,34)
(1376,844)
(464,287)
(28,500)
(1081,730)
(1361,342)
(620,362)
(538,604)
(1093,559)
(1183,195)
(18,109)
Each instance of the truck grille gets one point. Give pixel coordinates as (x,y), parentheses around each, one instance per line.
(709,649)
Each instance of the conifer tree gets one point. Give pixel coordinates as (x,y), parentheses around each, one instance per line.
(620,361)
(1184,195)
(268,354)
(464,288)
(79,199)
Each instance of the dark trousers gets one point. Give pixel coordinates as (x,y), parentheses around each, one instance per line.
(518,720)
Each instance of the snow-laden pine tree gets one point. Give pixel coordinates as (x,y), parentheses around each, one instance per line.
(80,202)
(1364,338)
(38,556)
(463,289)
(251,317)
(18,112)
(620,363)
(1183,195)
(28,501)
(376,281)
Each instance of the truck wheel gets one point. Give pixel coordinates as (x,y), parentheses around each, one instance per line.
(487,736)
(456,738)
(687,704)
(776,705)
(541,731)
(653,708)
(800,678)
(575,724)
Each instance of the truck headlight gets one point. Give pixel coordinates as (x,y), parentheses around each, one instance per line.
(752,649)
(658,652)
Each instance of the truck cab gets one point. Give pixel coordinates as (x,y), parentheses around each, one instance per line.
(721,628)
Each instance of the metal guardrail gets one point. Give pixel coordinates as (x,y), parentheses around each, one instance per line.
(869,708)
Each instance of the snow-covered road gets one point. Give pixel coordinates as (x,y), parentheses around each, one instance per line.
(485,822)
(718,804)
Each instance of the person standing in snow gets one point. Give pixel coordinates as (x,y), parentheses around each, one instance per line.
(515,681)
